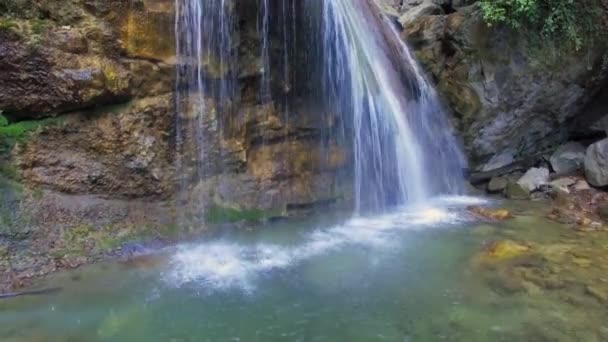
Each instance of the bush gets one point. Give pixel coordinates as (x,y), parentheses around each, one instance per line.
(576,23)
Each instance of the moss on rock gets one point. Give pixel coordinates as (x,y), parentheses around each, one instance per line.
(218,214)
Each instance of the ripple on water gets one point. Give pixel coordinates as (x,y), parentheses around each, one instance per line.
(222,265)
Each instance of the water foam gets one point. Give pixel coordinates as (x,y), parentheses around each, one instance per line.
(221,265)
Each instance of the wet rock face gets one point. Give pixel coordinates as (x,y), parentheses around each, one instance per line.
(63,58)
(121,154)
(107,70)
(81,61)
(274,152)
(33,84)
(507,97)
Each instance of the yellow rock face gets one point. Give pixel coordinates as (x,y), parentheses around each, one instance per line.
(147,31)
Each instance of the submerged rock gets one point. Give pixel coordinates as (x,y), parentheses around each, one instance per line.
(596,163)
(568,158)
(491,214)
(515,191)
(503,250)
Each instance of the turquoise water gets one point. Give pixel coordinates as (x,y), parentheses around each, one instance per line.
(406,276)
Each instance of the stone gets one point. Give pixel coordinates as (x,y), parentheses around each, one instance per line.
(596,163)
(582,185)
(489,213)
(506,249)
(568,158)
(498,161)
(515,191)
(602,210)
(562,184)
(534,178)
(428,7)
(497,185)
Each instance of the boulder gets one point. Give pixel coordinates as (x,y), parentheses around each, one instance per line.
(516,192)
(562,184)
(568,158)
(500,160)
(534,178)
(428,7)
(582,185)
(596,163)
(497,185)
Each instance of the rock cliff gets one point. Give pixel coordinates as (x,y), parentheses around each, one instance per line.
(510,97)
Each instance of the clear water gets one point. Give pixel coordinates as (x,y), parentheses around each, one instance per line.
(408,276)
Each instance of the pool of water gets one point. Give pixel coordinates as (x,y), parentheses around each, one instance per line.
(417,274)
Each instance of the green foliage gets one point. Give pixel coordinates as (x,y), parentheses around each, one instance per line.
(10,134)
(574,23)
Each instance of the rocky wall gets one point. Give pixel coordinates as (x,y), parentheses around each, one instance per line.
(510,98)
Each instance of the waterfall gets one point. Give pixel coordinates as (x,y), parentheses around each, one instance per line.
(404,150)
(263,27)
(206,88)
(390,118)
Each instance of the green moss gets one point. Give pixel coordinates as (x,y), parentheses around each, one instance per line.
(8,171)
(3,120)
(39,26)
(217,214)
(7,24)
(18,132)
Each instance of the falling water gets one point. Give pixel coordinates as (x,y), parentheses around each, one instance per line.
(402,146)
(353,67)
(404,151)
(206,84)
(263,27)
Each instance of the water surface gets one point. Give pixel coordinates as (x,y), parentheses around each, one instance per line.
(412,275)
